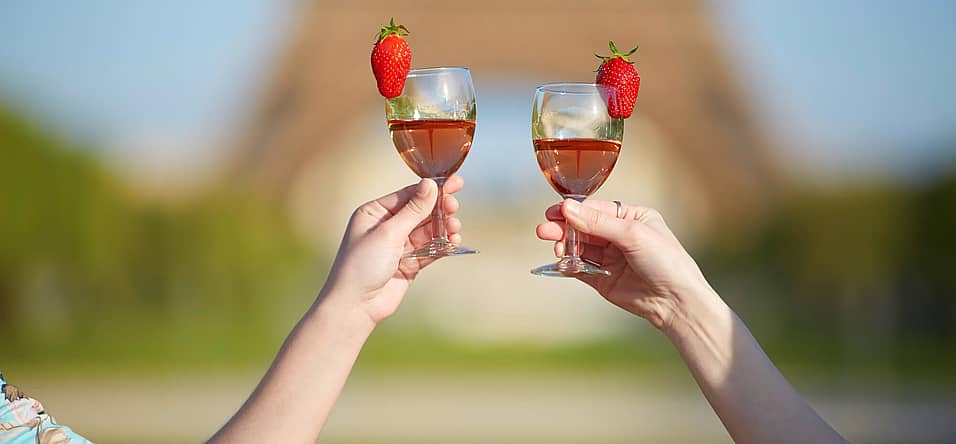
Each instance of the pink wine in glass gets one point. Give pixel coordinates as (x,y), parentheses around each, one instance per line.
(432,148)
(576,167)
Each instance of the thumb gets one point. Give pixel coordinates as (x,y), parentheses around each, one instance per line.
(418,207)
(594,222)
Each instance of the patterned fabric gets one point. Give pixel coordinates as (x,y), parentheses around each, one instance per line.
(23,421)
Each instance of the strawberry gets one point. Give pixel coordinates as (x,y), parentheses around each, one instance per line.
(618,71)
(391,59)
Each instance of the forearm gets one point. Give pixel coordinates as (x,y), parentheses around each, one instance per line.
(752,398)
(296,396)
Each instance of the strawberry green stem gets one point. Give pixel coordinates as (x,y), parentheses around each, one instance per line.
(615,53)
(391,29)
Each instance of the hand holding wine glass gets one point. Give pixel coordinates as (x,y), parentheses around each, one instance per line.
(367,283)
(653,277)
(649,267)
(369,265)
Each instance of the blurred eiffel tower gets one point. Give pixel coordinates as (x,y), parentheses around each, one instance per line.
(690,94)
(317,141)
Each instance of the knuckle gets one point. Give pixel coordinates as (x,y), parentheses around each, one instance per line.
(417,206)
(363,210)
(595,219)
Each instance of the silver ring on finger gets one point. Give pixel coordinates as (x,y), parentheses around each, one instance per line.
(620,209)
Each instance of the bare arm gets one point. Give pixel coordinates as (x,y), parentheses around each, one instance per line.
(752,398)
(367,283)
(295,398)
(654,277)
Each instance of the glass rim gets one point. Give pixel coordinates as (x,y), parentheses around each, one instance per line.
(574,88)
(415,72)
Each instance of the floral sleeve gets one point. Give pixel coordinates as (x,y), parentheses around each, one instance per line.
(24,421)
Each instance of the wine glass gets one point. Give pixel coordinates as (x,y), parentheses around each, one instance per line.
(577,144)
(432,125)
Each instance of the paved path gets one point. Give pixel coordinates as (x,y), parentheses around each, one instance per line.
(474,408)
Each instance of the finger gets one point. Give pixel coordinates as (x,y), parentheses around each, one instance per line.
(550,231)
(452,225)
(555,231)
(415,209)
(589,220)
(420,236)
(628,211)
(451,207)
(450,204)
(412,266)
(554,212)
(417,265)
(423,232)
(592,253)
(453,184)
(393,202)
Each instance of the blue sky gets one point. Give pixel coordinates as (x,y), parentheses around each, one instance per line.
(864,83)
(855,86)
(109,72)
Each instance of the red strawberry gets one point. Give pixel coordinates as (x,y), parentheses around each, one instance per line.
(618,71)
(391,59)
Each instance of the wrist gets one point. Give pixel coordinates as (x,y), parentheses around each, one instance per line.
(346,314)
(692,308)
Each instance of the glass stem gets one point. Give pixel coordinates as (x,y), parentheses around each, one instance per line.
(572,241)
(438,214)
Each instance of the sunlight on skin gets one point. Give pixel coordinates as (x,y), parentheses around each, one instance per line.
(367,282)
(654,277)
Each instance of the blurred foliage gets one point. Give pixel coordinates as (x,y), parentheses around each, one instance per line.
(857,276)
(854,277)
(86,265)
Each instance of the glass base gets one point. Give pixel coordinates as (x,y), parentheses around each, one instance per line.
(441,248)
(570,267)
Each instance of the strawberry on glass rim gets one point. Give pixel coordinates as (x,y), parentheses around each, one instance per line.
(617,71)
(391,59)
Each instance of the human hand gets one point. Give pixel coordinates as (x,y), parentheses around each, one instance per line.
(651,273)
(369,272)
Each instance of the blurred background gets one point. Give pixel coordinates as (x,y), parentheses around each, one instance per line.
(175,176)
